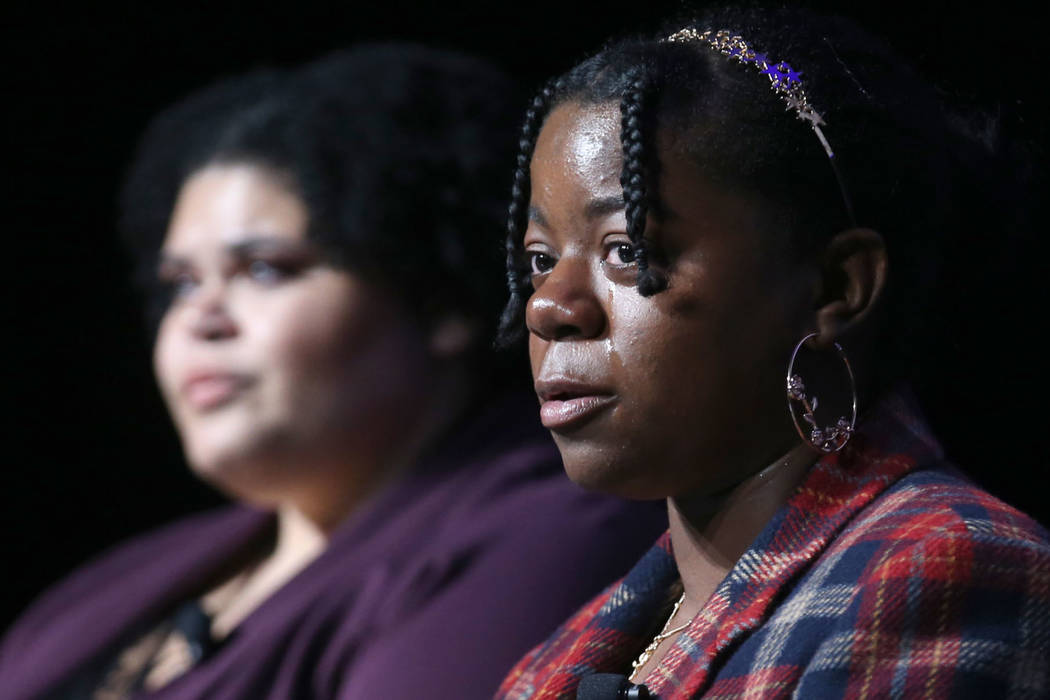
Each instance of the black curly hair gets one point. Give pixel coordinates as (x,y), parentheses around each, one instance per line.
(399,152)
(886,127)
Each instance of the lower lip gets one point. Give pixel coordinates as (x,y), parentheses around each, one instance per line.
(562,414)
(205,394)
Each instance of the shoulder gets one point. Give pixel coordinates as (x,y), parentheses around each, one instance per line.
(514,514)
(947,592)
(106,580)
(938,534)
(510,486)
(548,530)
(938,511)
(489,560)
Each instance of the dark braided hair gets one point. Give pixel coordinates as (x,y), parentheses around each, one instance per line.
(938,186)
(885,125)
(510,327)
(397,150)
(632,178)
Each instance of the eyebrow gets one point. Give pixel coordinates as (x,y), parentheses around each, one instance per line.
(535,215)
(250,246)
(245,248)
(597,208)
(594,209)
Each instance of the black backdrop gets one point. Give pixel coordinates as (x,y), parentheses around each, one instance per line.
(91,457)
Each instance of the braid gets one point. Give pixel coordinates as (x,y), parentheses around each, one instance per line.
(510,325)
(632,178)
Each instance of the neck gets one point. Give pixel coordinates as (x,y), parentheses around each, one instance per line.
(298,537)
(299,542)
(381,457)
(709,533)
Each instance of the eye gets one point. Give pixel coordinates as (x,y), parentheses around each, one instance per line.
(176,285)
(540,262)
(620,254)
(184,285)
(270,272)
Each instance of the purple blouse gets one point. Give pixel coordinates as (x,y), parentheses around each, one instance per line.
(433,589)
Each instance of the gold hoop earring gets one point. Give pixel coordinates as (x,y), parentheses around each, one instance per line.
(825,440)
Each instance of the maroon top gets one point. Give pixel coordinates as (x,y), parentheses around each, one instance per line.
(434,589)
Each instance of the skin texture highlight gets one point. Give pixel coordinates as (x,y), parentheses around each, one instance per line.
(691,376)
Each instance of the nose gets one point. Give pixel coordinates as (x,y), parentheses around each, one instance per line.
(210,316)
(565,306)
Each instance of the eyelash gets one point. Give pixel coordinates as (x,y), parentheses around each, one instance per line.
(175,285)
(270,272)
(541,262)
(624,249)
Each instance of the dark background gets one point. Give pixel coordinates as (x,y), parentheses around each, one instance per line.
(91,457)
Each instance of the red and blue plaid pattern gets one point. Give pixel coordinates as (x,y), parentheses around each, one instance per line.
(887,574)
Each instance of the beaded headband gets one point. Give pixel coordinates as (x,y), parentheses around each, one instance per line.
(785,82)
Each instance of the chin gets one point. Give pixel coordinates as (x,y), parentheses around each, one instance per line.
(236,469)
(609,471)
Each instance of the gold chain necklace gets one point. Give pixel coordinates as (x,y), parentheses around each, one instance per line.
(648,652)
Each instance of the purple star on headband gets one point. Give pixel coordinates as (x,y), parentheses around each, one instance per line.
(789,75)
(785,81)
(773,72)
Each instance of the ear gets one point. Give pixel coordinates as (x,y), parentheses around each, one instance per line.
(451,336)
(854,278)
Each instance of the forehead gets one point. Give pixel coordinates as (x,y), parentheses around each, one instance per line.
(221,205)
(578,161)
(581,141)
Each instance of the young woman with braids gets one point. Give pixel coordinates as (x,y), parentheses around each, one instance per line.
(719,244)
(315,242)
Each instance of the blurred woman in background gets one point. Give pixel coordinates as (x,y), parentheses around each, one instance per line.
(319,249)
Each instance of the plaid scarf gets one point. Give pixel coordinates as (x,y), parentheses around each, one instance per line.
(887,574)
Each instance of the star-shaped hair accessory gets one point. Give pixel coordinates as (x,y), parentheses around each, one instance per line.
(785,81)
(790,76)
(773,72)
